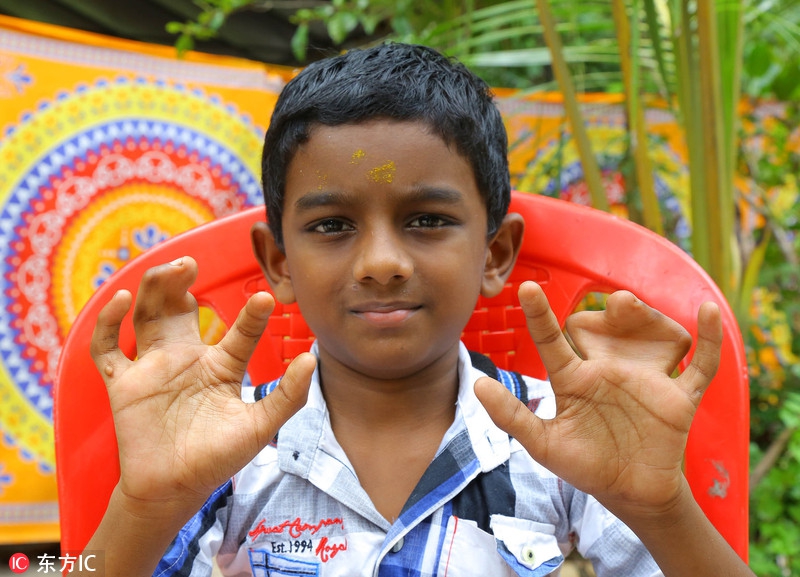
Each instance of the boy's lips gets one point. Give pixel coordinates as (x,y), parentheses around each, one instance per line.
(385,314)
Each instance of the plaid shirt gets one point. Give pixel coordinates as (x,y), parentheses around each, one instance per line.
(484,507)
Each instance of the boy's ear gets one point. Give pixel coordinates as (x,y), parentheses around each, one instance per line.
(272,260)
(501,254)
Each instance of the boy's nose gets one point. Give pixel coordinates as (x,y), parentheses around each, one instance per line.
(382,259)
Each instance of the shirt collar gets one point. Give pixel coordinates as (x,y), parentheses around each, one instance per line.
(491,444)
(310,431)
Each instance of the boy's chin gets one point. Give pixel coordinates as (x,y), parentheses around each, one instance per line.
(385,362)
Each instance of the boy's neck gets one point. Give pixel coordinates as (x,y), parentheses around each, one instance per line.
(359,402)
(390,429)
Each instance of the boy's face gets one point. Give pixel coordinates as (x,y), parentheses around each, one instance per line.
(385,246)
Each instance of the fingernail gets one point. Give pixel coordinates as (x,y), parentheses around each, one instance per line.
(177,262)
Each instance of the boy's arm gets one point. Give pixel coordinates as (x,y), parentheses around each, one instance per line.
(622,421)
(182,430)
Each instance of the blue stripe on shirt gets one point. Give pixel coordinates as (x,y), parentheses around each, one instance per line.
(178,559)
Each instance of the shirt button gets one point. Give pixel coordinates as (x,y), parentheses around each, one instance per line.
(397,546)
(529,555)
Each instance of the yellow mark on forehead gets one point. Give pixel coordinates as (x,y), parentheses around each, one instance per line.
(322,180)
(383,174)
(358,155)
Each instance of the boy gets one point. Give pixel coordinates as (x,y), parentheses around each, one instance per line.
(386,184)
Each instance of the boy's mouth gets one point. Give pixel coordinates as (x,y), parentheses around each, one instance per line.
(386,314)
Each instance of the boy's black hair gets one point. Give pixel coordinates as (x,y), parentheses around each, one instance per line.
(393,81)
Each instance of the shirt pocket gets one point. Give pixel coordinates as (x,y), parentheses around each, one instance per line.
(518,548)
(530,548)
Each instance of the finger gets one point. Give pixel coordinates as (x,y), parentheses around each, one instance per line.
(509,414)
(625,314)
(288,397)
(241,340)
(639,321)
(104,348)
(628,328)
(164,310)
(705,361)
(554,350)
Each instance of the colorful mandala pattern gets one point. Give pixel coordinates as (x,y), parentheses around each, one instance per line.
(13,76)
(88,182)
(556,170)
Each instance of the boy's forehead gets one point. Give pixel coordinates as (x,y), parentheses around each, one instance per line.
(393,157)
(374,125)
(357,144)
(379,150)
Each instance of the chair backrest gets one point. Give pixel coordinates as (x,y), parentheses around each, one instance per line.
(570,250)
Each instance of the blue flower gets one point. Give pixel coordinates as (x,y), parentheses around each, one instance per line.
(19,78)
(148,236)
(106,270)
(6,479)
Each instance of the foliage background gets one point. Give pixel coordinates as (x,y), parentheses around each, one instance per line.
(633,47)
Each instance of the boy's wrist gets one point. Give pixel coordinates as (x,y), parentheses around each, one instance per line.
(664,516)
(681,539)
(134,533)
(167,511)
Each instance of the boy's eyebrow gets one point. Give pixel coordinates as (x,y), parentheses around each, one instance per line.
(435,194)
(318,199)
(418,194)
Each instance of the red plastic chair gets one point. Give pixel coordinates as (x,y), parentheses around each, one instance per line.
(571,250)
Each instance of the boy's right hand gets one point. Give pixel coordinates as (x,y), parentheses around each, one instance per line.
(182,429)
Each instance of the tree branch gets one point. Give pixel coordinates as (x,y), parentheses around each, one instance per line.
(771,456)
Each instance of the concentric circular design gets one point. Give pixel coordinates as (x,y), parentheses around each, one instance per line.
(88,182)
(556,170)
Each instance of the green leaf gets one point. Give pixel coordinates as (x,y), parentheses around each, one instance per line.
(217,20)
(302,15)
(370,22)
(300,42)
(340,25)
(758,58)
(184,44)
(542,56)
(790,411)
(174,27)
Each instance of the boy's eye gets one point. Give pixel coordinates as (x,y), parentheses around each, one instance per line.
(429,221)
(331,226)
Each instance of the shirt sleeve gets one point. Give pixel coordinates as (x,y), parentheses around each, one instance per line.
(607,542)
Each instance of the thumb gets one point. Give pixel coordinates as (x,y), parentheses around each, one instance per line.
(509,413)
(288,397)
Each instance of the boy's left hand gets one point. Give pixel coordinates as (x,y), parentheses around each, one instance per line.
(622,420)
